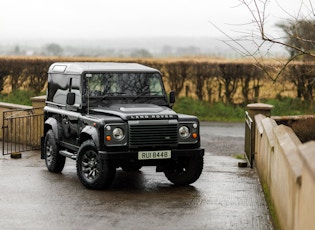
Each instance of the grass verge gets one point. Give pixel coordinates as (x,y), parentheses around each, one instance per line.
(285,106)
(220,111)
(217,111)
(21,97)
(205,111)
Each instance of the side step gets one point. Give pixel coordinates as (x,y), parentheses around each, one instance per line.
(68,154)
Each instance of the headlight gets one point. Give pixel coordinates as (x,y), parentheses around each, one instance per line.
(184,132)
(118,133)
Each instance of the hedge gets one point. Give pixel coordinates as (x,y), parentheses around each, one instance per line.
(210,80)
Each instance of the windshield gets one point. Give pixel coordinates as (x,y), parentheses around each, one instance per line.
(128,85)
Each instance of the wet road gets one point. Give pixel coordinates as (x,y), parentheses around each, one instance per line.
(223,139)
(225,196)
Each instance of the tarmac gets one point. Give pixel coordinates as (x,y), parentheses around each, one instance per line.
(224,197)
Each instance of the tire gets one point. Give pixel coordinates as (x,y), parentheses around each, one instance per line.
(54,161)
(186,171)
(92,171)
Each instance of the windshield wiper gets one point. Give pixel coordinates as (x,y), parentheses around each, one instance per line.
(141,95)
(148,95)
(111,95)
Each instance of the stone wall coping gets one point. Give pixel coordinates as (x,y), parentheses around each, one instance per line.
(268,125)
(258,119)
(259,106)
(292,117)
(14,106)
(308,156)
(289,143)
(39,98)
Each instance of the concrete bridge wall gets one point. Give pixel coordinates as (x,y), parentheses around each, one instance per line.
(287,168)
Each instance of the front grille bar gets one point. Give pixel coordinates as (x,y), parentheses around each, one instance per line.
(152,134)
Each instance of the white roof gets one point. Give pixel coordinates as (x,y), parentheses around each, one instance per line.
(81,67)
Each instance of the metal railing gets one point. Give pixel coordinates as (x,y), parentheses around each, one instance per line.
(21,130)
(249,139)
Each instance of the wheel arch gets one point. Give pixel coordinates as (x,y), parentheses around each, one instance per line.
(90,132)
(51,123)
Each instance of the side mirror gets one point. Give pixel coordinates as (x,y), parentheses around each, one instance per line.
(172,97)
(70,98)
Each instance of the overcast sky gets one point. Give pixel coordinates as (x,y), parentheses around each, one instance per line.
(41,19)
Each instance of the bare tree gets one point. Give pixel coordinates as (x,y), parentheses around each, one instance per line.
(178,73)
(294,38)
(229,77)
(300,37)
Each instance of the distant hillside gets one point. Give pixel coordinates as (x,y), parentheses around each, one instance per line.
(125,47)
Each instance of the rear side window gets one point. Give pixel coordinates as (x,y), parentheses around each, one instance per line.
(59,85)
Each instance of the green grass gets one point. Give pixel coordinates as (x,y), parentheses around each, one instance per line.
(240,156)
(21,97)
(271,207)
(218,111)
(285,106)
(209,112)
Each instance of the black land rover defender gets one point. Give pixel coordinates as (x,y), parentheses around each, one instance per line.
(111,115)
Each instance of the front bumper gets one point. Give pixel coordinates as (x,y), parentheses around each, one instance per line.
(133,155)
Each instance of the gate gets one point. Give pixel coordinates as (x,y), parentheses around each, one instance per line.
(21,130)
(249,139)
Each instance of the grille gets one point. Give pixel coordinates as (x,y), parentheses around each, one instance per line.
(152,135)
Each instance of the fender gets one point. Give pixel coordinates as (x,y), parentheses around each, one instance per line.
(54,126)
(93,132)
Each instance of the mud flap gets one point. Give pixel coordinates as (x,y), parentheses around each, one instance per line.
(42,142)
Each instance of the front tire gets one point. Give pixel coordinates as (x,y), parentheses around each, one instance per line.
(185,171)
(54,161)
(92,171)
